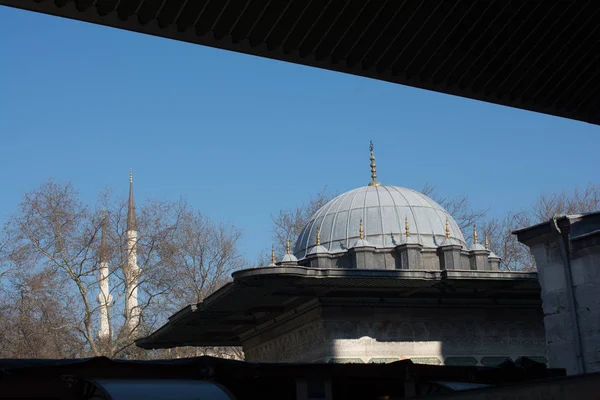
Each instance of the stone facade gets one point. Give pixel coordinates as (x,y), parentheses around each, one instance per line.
(351,333)
(567,255)
(295,338)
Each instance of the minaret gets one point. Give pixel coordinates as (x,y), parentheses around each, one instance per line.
(132,271)
(104,297)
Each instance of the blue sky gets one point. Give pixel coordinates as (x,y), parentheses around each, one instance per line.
(241,137)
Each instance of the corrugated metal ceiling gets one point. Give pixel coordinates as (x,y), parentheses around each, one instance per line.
(535,55)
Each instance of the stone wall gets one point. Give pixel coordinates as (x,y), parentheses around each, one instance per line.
(354,333)
(567,256)
(435,336)
(559,319)
(586,289)
(298,337)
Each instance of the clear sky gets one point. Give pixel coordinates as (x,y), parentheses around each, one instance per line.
(241,137)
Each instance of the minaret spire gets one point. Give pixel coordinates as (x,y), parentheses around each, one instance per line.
(131,270)
(131,221)
(374,181)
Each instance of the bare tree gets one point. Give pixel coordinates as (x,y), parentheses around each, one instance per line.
(34,321)
(515,256)
(198,259)
(579,201)
(288,223)
(498,231)
(263,258)
(53,231)
(459,207)
(183,256)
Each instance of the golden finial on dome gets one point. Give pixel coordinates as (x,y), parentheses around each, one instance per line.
(273,259)
(475,237)
(447,229)
(130,175)
(373,167)
(361,230)
(487,242)
(287,246)
(406,230)
(318,236)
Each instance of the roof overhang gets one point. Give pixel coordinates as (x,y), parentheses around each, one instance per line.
(257,296)
(576,225)
(538,56)
(581,230)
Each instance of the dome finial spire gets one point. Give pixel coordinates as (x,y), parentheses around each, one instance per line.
(447,229)
(273,259)
(318,236)
(406,230)
(475,237)
(361,230)
(487,242)
(373,167)
(287,246)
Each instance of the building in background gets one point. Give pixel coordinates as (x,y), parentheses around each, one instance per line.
(380,273)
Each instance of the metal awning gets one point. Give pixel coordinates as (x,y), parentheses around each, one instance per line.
(534,55)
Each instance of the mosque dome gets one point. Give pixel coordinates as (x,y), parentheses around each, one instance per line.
(384,211)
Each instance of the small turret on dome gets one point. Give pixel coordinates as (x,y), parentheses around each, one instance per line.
(273,258)
(362,242)
(408,239)
(476,245)
(493,259)
(288,257)
(318,249)
(449,240)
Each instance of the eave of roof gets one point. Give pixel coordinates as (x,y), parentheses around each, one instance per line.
(259,295)
(538,56)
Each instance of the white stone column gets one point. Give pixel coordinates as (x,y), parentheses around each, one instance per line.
(132,272)
(104,299)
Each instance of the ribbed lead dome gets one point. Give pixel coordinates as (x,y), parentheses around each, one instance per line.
(383,210)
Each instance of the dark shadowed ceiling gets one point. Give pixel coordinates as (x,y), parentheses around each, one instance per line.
(535,55)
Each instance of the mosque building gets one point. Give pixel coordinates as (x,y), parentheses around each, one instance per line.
(380,273)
